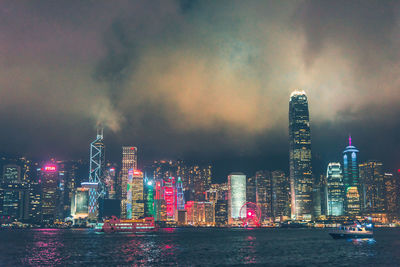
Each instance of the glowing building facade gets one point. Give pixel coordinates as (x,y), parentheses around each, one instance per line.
(391,195)
(129,161)
(96,169)
(80,203)
(263,193)
(180,199)
(351,180)
(373,186)
(280,195)
(135,202)
(50,193)
(169,189)
(334,190)
(236,195)
(301,178)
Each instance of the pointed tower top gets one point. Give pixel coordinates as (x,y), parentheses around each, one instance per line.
(99,131)
(349,140)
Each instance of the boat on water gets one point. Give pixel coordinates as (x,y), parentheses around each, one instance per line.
(353,231)
(115,224)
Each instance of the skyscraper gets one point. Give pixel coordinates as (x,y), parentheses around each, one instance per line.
(264,193)
(236,195)
(129,161)
(14,195)
(391,196)
(50,192)
(351,180)
(301,178)
(135,201)
(96,169)
(251,189)
(280,194)
(334,190)
(373,186)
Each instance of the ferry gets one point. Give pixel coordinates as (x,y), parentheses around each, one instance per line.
(114,225)
(353,231)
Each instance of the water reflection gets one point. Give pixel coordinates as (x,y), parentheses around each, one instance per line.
(188,247)
(45,248)
(361,241)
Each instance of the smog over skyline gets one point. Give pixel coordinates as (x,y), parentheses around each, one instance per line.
(202,80)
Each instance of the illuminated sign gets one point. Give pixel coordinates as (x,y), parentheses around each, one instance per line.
(134,172)
(50,168)
(137,172)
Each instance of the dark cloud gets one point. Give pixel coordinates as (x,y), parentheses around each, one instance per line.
(203,80)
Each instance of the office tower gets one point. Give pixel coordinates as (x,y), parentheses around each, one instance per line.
(221,212)
(169,192)
(135,201)
(129,161)
(263,184)
(14,196)
(35,202)
(96,170)
(182,171)
(281,195)
(351,180)
(334,190)
(200,213)
(251,189)
(202,181)
(67,173)
(353,201)
(12,174)
(149,185)
(236,195)
(301,178)
(110,181)
(391,194)
(80,204)
(162,169)
(373,186)
(212,193)
(160,209)
(50,193)
(180,200)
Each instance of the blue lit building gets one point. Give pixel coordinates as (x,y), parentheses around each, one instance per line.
(334,192)
(351,180)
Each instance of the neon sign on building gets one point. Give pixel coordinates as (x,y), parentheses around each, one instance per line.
(50,168)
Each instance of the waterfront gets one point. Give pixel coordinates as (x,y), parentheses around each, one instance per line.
(185,247)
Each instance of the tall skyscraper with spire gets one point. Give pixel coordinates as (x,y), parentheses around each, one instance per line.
(301,178)
(351,180)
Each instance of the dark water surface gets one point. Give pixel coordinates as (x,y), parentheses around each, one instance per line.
(188,247)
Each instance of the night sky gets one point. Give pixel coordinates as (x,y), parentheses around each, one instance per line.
(199,80)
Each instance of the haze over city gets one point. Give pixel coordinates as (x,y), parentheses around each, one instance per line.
(202,80)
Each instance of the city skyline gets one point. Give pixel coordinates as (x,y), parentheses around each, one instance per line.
(166,87)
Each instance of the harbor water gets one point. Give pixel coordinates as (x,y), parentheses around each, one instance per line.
(196,247)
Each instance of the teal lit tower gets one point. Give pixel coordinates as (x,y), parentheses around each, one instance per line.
(301,178)
(351,180)
(334,192)
(180,200)
(149,197)
(96,168)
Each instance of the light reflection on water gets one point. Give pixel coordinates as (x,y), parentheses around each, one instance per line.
(45,249)
(195,247)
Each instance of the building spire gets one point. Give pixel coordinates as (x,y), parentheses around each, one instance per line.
(349,140)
